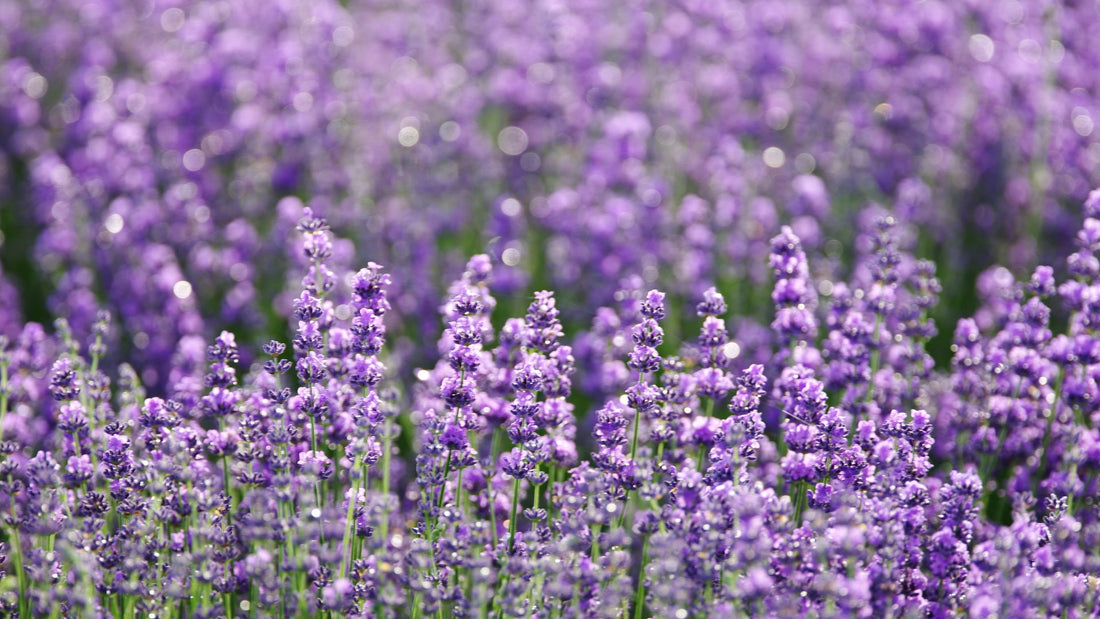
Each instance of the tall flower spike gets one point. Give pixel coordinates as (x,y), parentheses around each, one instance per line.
(742,432)
(555,364)
(644,360)
(372,439)
(794,295)
(319,279)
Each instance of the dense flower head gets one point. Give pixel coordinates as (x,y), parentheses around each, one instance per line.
(713,303)
(793,295)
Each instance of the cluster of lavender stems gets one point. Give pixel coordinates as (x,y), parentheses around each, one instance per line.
(845,476)
(704,309)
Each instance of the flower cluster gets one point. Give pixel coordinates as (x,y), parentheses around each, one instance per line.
(863,483)
(739,336)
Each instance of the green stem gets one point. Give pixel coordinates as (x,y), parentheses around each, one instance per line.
(387,448)
(702,448)
(799,500)
(352,499)
(92,417)
(639,593)
(443,488)
(550,491)
(622,515)
(313,426)
(512,520)
(634,440)
(495,453)
(494,450)
(633,453)
(595,542)
(20,574)
(458,493)
(313,432)
(1072,477)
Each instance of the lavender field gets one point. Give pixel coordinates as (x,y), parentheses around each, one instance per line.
(560,308)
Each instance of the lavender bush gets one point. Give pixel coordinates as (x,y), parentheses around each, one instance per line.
(881,487)
(701,363)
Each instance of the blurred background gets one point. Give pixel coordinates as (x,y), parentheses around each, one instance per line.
(155,156)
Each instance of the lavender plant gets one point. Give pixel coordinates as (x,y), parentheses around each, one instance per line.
(739,336)
(308,484)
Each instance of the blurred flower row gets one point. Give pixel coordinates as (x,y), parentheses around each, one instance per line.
(158,154)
